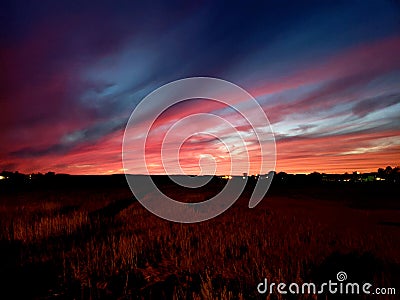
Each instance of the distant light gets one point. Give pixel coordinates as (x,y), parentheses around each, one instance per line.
(380,179)
(226,177)
(2,177)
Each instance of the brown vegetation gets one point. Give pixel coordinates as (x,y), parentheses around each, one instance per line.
(100,244)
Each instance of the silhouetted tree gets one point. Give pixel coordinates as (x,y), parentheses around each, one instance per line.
(388,170)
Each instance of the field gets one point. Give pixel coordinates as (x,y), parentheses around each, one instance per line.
(97,242)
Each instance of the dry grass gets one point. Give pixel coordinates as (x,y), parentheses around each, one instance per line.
(133,254)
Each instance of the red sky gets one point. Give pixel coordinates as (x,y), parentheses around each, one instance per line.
(327,76)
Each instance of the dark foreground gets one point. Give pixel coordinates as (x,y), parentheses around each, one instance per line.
(94,241)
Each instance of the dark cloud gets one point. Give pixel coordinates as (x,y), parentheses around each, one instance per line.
(73,140)
(373,104)
(332,93)
(303,128)
(201,139)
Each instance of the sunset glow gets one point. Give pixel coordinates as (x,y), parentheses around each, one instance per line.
(327,78)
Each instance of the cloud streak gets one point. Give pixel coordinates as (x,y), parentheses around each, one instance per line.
(74,73)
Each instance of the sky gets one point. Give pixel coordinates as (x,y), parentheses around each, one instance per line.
(327,75)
